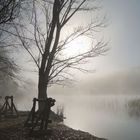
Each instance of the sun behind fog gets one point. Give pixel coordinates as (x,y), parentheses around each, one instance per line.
(77,46)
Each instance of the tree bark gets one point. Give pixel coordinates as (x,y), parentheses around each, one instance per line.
(42,90)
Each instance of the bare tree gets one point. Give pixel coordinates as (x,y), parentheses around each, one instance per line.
(53,68)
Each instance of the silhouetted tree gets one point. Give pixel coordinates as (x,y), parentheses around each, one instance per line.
(45,44)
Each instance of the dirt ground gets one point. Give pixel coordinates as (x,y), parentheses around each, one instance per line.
(12,129)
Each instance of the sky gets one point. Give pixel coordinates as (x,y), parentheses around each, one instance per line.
(124,32)
(122,60)
(118,71)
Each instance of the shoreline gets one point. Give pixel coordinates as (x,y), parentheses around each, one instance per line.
(13,128)
(69,133)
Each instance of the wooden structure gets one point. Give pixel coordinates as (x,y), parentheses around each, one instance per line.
(8,109)
(37,121)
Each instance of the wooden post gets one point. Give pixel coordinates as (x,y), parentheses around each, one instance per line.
(37,122)
(12,107)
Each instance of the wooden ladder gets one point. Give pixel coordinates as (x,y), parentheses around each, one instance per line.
(8,109)
(37,121)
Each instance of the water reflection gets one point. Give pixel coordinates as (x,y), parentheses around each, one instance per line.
(133,108)
(112,117)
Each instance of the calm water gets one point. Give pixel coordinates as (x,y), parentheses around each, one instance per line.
(105,116)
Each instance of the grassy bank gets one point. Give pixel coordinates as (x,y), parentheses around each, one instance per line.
(12,129)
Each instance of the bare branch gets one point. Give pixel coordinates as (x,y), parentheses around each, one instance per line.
(48,38)
(24,44)
(68,18)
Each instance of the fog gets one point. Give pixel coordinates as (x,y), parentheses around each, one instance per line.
(117,83)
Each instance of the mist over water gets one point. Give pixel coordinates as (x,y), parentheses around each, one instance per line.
(111,117)
(107,106)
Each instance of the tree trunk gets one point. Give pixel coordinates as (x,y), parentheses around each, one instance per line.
(42,90)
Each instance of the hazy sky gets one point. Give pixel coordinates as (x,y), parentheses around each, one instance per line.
(119,70)
(124,32)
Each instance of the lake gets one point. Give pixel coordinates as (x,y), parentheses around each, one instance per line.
(111,117)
